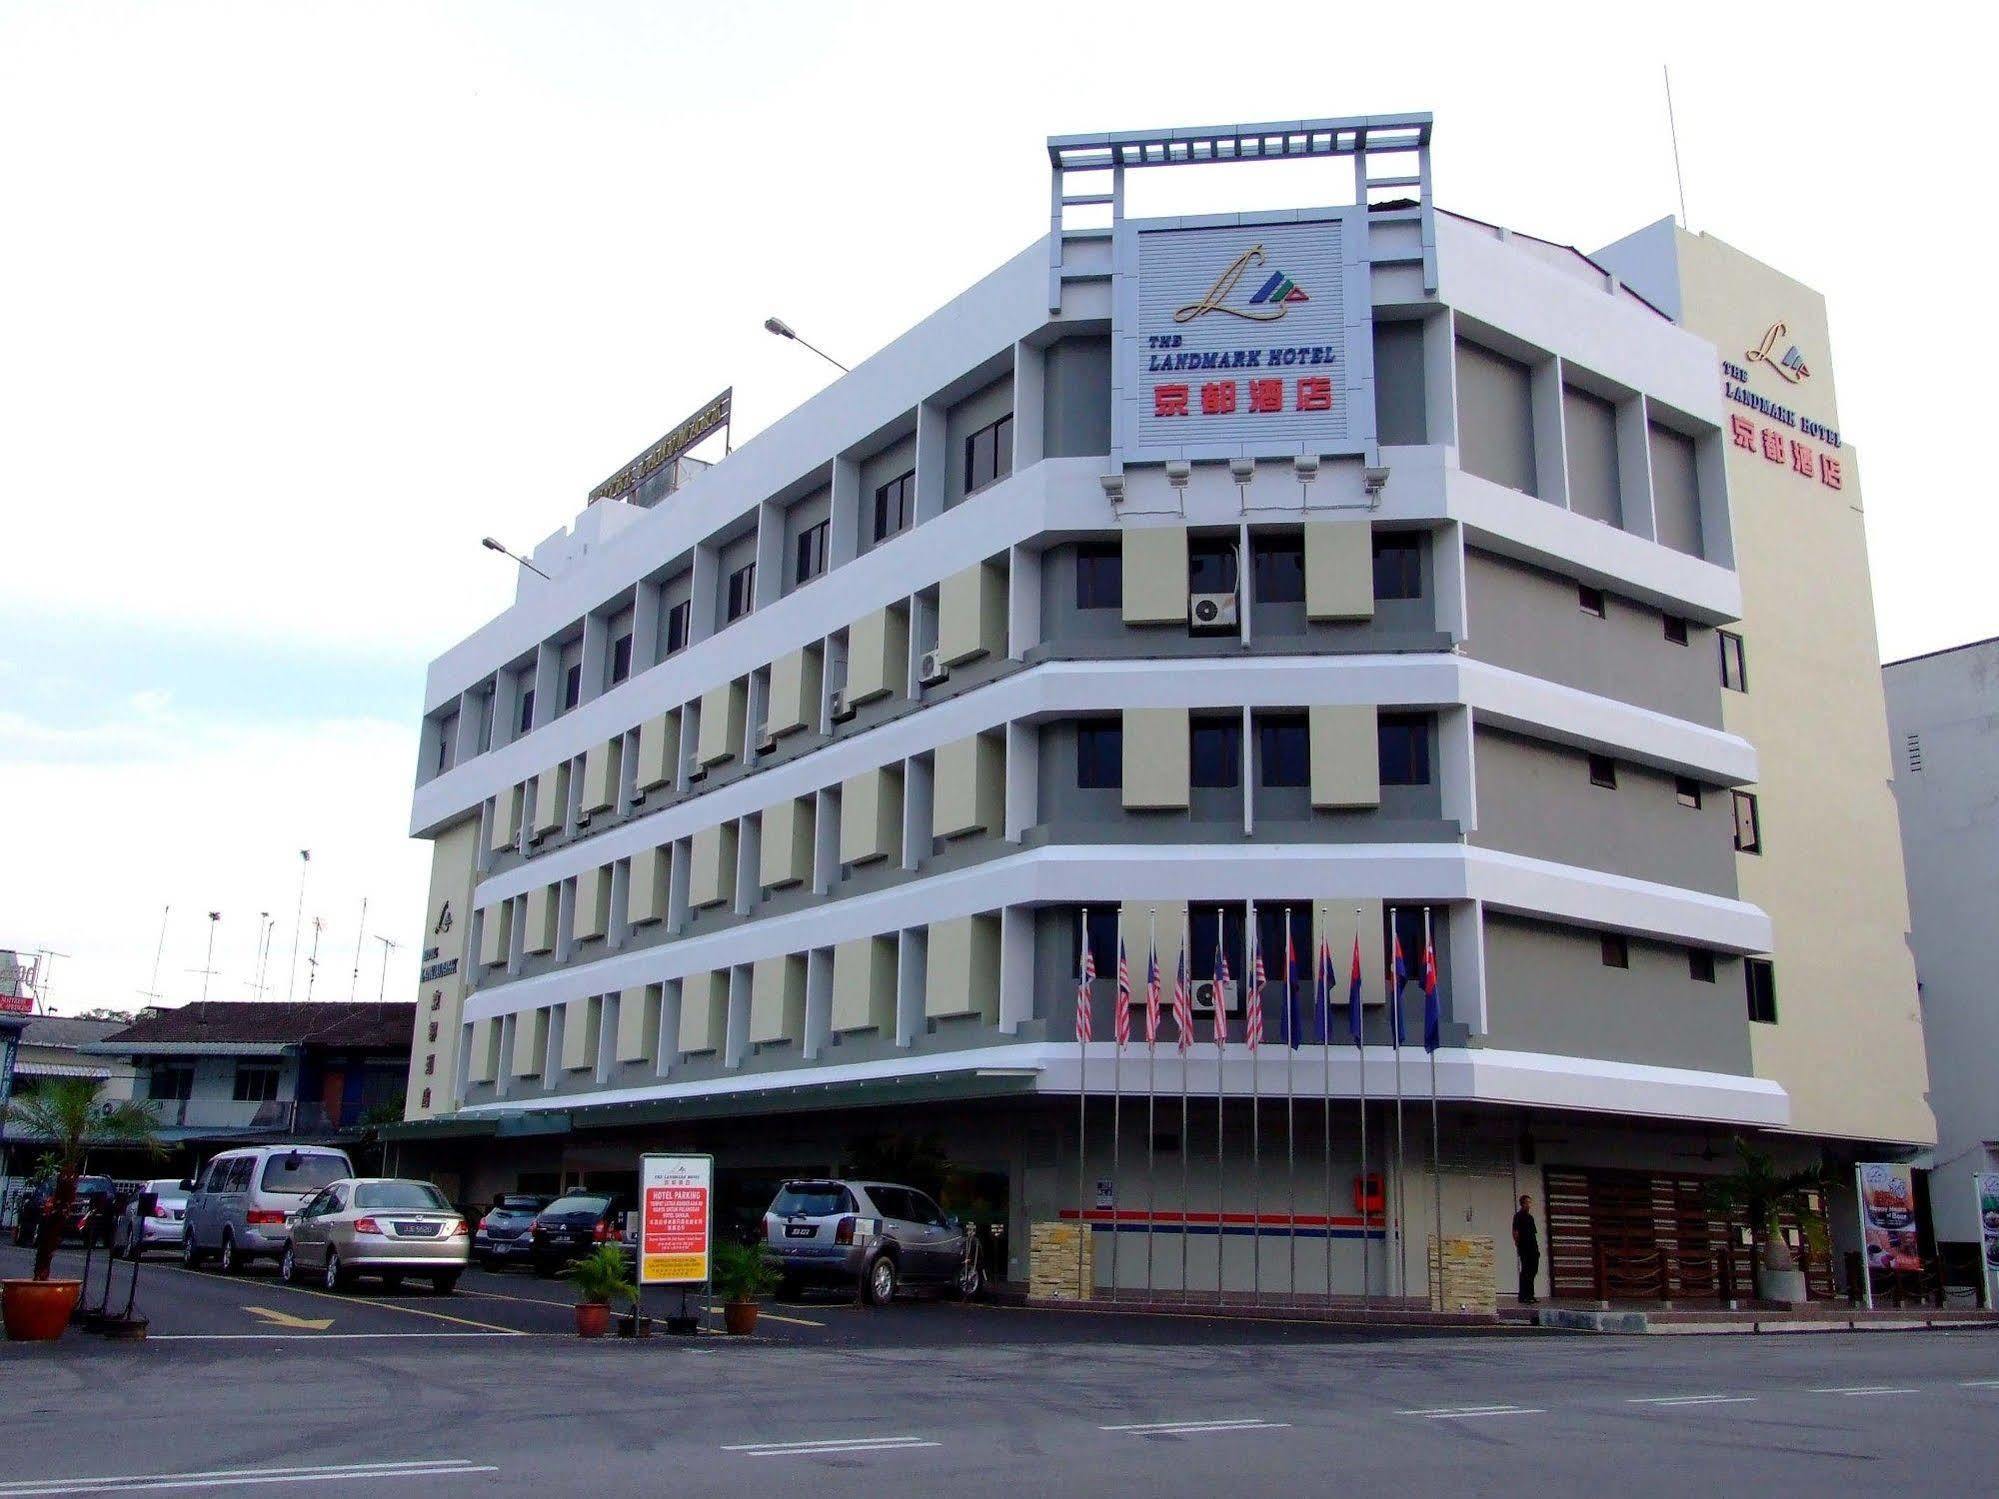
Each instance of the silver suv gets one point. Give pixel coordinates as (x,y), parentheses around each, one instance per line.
(874,1236)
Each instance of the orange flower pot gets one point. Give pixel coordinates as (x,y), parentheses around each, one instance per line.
(740,1318)
(37,1311)
(593,1319)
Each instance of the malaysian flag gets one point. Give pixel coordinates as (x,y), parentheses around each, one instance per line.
(1253,1023)
(1084,986)
(1183,1003)
(1151,992)
(1121,1021)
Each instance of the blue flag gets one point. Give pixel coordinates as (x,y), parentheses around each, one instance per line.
(1433,1023)
(1354,1018)
(1398,976)
(1293,1019)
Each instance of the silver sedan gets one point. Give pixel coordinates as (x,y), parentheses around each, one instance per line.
(381,1226)
(134,1233)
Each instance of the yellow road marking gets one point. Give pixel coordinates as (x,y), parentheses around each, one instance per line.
(286,1319)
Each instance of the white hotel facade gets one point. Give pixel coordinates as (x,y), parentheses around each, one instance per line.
(1207,573)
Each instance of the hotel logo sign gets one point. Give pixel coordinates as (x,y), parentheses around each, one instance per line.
(1234,340)
(1778,433)
(1790,365)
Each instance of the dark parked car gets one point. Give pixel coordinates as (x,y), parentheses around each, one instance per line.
(573,1225)
(503,1235)
(94,1195)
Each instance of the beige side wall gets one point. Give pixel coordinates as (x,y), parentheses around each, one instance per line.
(442,999)
(1848,1043)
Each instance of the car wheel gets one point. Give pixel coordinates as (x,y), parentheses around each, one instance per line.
(288,1267)
(336,1278)
(444,1284)
(881,1281)
(228,1262)
(190,1256)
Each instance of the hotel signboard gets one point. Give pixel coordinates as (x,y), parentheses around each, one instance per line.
(1243,337)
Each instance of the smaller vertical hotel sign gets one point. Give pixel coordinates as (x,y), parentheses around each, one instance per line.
(676,1202)
(1245,337)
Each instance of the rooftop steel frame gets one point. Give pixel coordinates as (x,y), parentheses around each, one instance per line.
(1359,137)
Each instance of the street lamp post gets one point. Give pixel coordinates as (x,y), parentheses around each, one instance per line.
(784,330)
(492,545)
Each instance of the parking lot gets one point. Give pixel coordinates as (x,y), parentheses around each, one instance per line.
(249,1382)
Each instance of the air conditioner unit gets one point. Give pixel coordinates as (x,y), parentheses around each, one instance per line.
(1212,611)
(1208,991)
(837,706)
(930,668)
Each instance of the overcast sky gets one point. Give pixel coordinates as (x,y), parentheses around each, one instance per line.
(298,301)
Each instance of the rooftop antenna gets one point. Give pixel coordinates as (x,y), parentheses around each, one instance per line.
(360,938)
(207,970)
(153,995)
(49,955)
(389,945)
(264,929)
(312,959)
(1673,130)
(298,920)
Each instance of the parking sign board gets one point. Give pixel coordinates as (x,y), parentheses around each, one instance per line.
(676,1199)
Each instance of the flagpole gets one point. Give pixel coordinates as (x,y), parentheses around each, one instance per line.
(1401,1201)
(1221,1099)
(1366,1213)
(1430,1040)
(1120,1029)
(1151,1090)
(1325,966)
(1253,1034)
(1082,1109)
(1183,1023)
(1291,1100)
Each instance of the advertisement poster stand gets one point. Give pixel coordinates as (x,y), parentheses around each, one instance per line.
(1886,1198)
(1985,1195)
(676,1221)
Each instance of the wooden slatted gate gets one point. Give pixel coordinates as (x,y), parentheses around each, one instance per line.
(1646,1236)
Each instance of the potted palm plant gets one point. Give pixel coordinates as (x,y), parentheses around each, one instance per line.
(599,1276)
(1761,1193)
(742,1276)
(68,1115)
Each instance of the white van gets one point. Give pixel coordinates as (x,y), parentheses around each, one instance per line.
(241,1206)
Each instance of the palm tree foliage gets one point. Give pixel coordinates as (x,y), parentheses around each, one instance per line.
(1761,1193)
(69,1116)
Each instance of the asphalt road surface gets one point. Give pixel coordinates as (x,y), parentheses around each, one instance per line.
(487,1392)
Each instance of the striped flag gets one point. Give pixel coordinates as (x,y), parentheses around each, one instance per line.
(1221,987)
(1121,1021)
(1253,1025)
(1398,975)
(1183,1003)
(1354,1026)
(1433,1024)
(1325,995)
(1151,992)
(1294,1020)
(1084,986)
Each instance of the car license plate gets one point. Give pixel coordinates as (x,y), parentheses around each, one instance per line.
(417,1230)
(800,1230)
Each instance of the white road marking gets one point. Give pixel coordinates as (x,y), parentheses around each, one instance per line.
(1196,1427)
(1670,1400)
(1461,1412)
(830,1447)
(1978,1384)
(237,1477)
(1867,1389)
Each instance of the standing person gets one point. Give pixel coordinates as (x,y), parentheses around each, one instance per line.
(1527,1244)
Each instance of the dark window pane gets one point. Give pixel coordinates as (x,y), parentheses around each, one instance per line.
(1616,951)
(1206,922)
(1603,771)
(1103,943)
(1405,749)
(1398,567)
(742,590)
(1270,941)
(811,559)
(1215,753)
(1100,756)
(1687,791)
(1748,824)
(677,619)
(1211,567)
(1734,666)
(1700,965)
(527,712)
(621,658)
(892,505)
(572,686)
(989,454)
(1676,629)
(1100,576)
(1590,600)
(1761,982)
(1283,752)
(1279,566)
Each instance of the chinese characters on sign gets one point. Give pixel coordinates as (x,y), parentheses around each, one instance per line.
(1777,448)
(675,1193)
(1220,397)
(1772,438)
